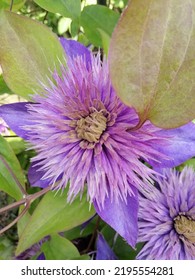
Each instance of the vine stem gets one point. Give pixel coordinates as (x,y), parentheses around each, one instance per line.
(13,205)
(93,236)
(27,200)
(46,14)
(11,5)
(14,221)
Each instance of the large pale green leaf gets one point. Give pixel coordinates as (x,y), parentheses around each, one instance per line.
(52,215)
(152,63)
(7,183)
(17,4)
(59,248)
(66,8)
(29,53)
(95,18)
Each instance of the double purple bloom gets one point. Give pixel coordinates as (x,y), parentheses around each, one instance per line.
(167,217)
(83,134)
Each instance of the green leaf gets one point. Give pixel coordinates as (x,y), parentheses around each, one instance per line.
(66,8)
(3,87)
(190,163)
(29,53)
(97,17)
(63,25)
(17,144)
(74,27)
(21,224)
(83,257)
(105,41)
(52,215)
(6,248)
(78,232)
(59,248)
(83,39)
(7,183)
(152,63)
(17,4)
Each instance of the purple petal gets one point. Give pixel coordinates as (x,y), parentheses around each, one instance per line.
(41,257)
(104,252)
(122,216)
(16,116)
(34,177)
(73,48)
(181,146)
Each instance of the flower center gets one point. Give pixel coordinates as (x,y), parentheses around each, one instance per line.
(91,127)
(185,226)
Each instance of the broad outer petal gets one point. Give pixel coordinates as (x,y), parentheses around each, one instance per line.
(16,116)
(122,217)
(73,48)
(34,177)
(104,252)
(181,146)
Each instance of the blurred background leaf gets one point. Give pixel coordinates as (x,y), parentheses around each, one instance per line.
(97,17)
(6,248)
(66,8)
(6,4)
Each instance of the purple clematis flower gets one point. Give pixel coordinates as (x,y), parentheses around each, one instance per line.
(83,134)
(167,217)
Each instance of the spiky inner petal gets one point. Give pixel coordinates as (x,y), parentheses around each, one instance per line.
(82,135)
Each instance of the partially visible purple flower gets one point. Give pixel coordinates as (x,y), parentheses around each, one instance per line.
(3,127)
(29,253)
(83,134)
(41,257)
(167,217)
(33,251)
(104,252)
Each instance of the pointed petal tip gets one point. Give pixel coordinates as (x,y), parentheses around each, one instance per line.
(122,217)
